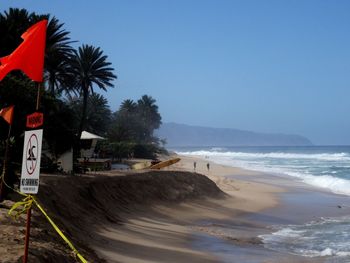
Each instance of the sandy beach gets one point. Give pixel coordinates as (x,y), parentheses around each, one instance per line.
(167,233)
(174,131)
(173,215)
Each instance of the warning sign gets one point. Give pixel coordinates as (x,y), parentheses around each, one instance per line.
(35,120)
(31,161)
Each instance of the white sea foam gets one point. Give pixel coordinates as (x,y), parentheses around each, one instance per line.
(326,237)
(336,185)
(288,232)
(275,155)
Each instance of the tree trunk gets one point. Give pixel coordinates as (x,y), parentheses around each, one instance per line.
(83,111)
(76,147)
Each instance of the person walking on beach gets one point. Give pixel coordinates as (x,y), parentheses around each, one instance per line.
(194,165)
(208,166)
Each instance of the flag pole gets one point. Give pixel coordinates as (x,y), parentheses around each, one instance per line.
(38,96)
(29,211)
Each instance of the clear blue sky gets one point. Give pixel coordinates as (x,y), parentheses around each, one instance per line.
(267,66)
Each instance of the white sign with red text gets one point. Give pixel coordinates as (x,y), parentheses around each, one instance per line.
(31,161)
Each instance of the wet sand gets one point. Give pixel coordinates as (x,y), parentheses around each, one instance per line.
(291,202)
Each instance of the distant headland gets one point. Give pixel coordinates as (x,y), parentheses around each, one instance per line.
(185,135)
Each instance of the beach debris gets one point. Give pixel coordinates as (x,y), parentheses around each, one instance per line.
(141,165)
(163,164)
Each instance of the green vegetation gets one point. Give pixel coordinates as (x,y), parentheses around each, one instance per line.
(132,127)
(68,100)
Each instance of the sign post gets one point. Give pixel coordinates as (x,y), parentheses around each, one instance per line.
(29,183)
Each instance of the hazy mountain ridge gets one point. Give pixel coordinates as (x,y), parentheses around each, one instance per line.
(186,135)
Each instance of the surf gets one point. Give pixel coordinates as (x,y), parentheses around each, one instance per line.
(323,167)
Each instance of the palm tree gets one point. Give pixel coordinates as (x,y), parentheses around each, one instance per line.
(90,67)
(57,58)
(128,106)
(15,22)
(149,115)
(98,113)
(125,123)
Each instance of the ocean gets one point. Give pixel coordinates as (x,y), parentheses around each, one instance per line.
(325,167)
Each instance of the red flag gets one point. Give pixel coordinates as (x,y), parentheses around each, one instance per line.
(7,114)
(29,55)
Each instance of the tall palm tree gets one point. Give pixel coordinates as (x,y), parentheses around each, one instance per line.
(58,52)
(149,116)
(90,67)
(57,58)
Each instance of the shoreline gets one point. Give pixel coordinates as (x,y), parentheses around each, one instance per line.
(236,182)
(173,215)
(290,202)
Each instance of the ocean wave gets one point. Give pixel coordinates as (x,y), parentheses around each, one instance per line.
(319,173)
(324,237)
(326,181)
(274,155)
(336,185)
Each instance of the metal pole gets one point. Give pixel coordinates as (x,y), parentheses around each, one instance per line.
(26,243)
(29,211)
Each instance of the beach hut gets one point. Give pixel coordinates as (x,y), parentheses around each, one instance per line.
(88,143)
(88,157)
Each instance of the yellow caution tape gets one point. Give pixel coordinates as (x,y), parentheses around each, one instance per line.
(26,204)
(60,233)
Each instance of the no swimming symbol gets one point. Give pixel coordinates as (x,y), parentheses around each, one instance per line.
(32,154)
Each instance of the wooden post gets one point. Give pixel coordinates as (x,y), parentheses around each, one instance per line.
(38,96)
(26,242)
(29,211)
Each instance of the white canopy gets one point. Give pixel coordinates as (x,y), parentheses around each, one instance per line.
(88,136)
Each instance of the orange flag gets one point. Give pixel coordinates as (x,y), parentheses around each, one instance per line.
(29,55)
(7,114)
